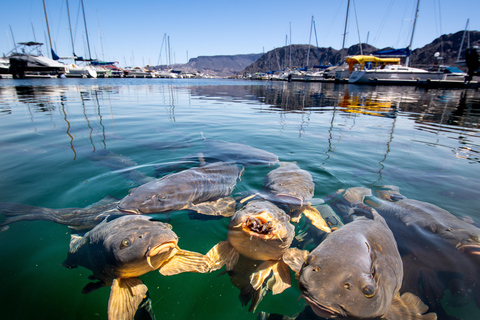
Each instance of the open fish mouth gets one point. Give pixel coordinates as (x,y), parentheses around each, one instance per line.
(261,226)
(164,248)
(322,310)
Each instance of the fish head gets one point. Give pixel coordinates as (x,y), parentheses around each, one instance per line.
(389,193)
(136,245)
(261,231)
(348,203)
(344,285)
(290,185)
(152,198)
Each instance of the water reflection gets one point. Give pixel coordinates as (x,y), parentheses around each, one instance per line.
(455,113)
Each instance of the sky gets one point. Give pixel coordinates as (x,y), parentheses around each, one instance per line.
(136,33)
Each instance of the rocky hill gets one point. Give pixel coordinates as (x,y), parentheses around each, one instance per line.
(448,46)
(222,66)
(279,58)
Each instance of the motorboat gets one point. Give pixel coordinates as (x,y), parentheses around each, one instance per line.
(76,71)
(26,63)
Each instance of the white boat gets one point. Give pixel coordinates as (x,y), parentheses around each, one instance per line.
(76,71)
(4,66)
(28,64)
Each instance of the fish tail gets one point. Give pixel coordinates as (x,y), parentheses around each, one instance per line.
(14,212)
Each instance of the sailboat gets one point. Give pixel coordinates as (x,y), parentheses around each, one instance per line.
(381,68)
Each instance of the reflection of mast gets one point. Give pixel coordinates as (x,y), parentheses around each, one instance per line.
(100,120)
(388,149)
(88,121)
(68,130)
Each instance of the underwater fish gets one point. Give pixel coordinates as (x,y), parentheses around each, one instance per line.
(120,164)
(76,218)
(218,150)
(439,250)
(118,251)
(258,239)
(202,189)
(290,186)
(356,273)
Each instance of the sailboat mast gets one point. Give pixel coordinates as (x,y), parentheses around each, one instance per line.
(309,42)
(70,26)
(463,38)
(346,22)
(413,31)
(86,32)
(48,28)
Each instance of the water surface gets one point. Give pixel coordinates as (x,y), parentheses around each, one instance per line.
(53,134)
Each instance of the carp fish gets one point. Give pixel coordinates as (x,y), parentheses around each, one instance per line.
(356,273)
(257,251)
(290,186)
(205,190)
(440,251)
(118,251)
(79,219)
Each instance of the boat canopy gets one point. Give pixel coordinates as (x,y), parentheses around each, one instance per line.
(403,52)
(375,61)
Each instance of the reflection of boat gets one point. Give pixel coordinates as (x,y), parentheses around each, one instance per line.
(27,64)
(367,105)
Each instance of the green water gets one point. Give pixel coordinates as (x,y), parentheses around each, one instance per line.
(427,142)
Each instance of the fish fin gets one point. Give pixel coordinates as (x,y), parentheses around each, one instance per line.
(103,202)
(221,207)
(331,218)
(92,286)
(76,242)
(185,261)
(316,218)
(295,258)
(281,273)
(223,253)
(409,307)
(261,274)
(125,297)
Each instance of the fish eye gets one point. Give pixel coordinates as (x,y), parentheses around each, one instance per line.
(161,198)
(125,243)
(368,291)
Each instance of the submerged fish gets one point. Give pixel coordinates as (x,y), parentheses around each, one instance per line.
(258,239)
(293,187)
(356,273)
(218,150)
(439,250)
(76,218)
(122,165)
(118,251)
(202,189)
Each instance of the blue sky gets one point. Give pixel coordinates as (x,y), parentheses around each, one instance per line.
(131,32)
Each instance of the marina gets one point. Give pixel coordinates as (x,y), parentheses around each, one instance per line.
(69,143)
